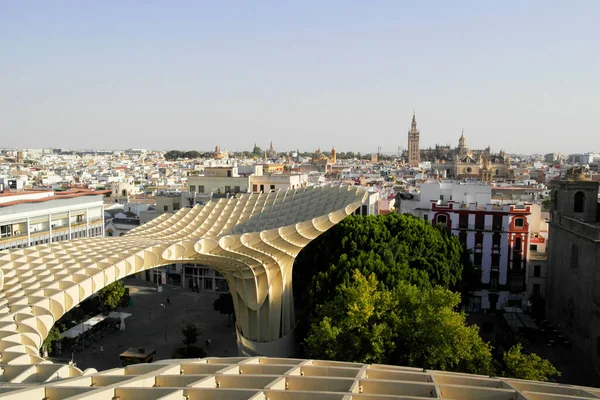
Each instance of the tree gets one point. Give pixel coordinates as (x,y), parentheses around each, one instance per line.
(357,325)
(224,304)
(111,296)
(546,203)
(190,337)
(190,334)
(407,325)
(173,155)
(191,154)
(257,151)
(53,336)
(394,247)
(527,366)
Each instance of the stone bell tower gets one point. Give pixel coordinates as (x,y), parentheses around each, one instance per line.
(414,157)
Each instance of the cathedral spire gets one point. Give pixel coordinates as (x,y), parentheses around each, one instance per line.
(413,125)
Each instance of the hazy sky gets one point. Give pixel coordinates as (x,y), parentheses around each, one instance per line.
(523,76)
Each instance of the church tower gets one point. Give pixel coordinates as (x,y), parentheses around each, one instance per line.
(414,157)
(333,155)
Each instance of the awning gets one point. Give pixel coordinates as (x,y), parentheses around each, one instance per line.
(89,324)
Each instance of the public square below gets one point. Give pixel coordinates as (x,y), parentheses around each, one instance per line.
(154,324)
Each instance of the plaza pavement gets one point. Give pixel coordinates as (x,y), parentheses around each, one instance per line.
(149,321)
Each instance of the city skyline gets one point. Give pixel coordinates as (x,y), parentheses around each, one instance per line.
(341,74)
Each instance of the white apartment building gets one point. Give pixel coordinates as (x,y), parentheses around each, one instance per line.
(220,180)
(29,218)
(498,235)
(266,183)
(227,180)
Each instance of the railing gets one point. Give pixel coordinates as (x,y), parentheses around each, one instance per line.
(477,227)
(20,236)
(60,229)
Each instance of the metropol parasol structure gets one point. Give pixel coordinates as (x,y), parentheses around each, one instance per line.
(252,240)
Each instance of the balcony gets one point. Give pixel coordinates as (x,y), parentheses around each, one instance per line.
(477,227)
(516,282)
(55,231)
(12,238)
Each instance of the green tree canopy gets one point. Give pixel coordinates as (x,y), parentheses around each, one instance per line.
(367,322)
(111,295)
(527,366)
(53,336)
(173,155)
(190,334)
(394,247)
(546,203)
(224,304)
(191,154)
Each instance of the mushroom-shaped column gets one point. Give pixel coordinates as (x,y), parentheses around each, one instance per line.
(258,268)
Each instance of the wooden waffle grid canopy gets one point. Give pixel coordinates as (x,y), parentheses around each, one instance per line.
(252,240)
(275,379)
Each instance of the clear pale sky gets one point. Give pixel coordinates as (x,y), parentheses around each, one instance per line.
(523,76)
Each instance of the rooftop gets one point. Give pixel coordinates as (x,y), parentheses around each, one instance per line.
(275,379)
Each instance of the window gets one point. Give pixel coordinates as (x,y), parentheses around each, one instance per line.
(255,188)
(497,223)
(579,202)
(262,188)
(200,189)
(236,189)
(6,230)
(495,260)
(496,239)
(477,258)
(229,173)
(463,221)
(192,188)
(536,290)
(518,244)
(574,257)
(494,278)
(537,271)
(442,219)
(480,221)
(272,187)
(462,237)
(426,217)
(441,197)
(165,208)
(520,222)
(478,239)
(533,247)
(227,189)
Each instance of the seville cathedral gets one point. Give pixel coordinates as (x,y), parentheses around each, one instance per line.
(460,162)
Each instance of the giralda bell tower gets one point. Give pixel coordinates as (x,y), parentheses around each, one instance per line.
(414,157)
